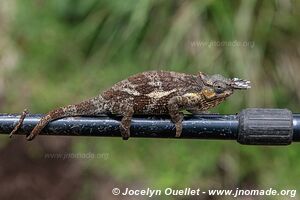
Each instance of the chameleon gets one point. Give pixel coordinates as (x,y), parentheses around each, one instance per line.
(149,93)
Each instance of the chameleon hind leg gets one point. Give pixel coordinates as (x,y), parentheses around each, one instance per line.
(126,111)
(126,123)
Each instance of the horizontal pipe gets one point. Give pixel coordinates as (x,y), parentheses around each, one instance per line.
(197,126)
(296,127)
(206,126)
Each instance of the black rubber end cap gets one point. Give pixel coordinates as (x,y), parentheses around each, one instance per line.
(258,126)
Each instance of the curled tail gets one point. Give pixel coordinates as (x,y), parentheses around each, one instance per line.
(89,107)
(50,116)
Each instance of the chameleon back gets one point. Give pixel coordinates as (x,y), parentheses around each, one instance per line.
(149,92)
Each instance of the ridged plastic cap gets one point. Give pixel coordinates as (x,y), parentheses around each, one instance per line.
(259,126)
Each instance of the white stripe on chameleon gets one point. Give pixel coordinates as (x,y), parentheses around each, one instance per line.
(159,94)
(190,95)
(130,91)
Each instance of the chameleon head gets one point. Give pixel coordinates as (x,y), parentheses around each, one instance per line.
(219,87)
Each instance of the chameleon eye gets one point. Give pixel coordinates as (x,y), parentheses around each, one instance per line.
(219,89)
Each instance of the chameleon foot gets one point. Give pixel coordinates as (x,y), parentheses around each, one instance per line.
(178,129)
(177,120)
(19,124)
(178,125)
(30,137)
(125,124)
(124,132)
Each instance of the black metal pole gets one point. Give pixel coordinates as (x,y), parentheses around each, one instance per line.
(296,127)
(224,127)
(200,126)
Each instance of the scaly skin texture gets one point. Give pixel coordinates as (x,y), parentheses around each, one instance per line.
(150,93)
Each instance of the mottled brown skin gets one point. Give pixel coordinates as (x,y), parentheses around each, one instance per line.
(150,93)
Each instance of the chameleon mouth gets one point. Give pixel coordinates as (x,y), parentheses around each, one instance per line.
(237,83)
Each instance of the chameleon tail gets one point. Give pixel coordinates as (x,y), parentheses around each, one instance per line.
(19,124)
(83,108)
(52,115)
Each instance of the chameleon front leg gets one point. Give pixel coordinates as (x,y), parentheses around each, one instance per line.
(174,106)
(178,103)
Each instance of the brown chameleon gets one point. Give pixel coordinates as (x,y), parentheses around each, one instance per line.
(150,93)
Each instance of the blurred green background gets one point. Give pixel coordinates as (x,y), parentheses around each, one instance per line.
(54,53)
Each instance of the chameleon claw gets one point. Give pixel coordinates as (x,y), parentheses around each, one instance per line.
(124,132)
(178,129)
(125,138)
(30,137)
